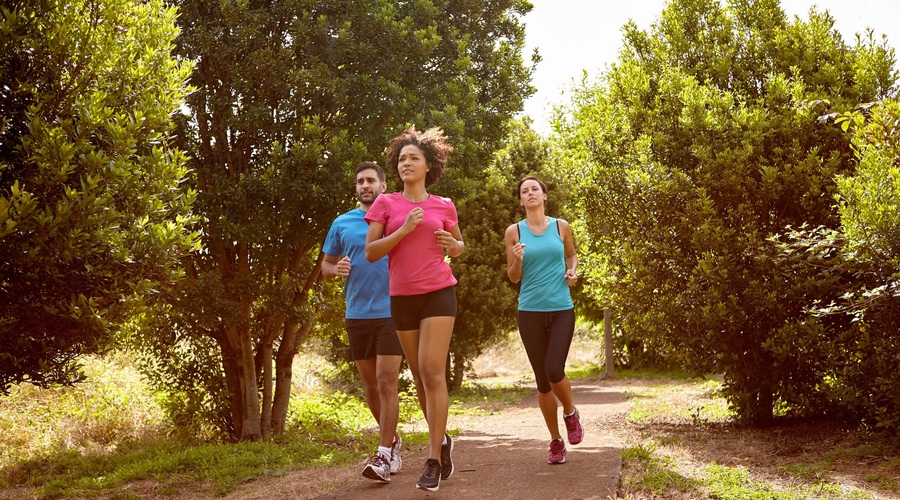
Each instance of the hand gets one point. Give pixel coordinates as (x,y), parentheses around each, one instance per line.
(571,277)
(445,240)
(518,251)
(342,268)
(413,218)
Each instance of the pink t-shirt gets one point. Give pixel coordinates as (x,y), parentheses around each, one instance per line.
(416,265)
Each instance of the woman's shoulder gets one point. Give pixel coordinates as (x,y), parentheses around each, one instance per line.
(388,198)
(440,200)
(561,222)
(513,230)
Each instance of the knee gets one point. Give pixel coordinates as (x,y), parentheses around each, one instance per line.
(387,385)
(556,375)
(433,378)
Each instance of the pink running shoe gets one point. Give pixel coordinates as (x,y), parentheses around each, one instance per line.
(557,452)
(574,428)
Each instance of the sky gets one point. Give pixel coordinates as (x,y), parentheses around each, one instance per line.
(574,36)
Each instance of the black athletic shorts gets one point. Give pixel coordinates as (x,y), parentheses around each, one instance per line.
(372,337)
(409,310)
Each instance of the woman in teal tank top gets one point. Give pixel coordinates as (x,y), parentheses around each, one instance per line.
(540,252)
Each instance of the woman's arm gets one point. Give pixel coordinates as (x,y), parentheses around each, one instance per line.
(451,241)
(378,245)
(569,250)
(515,251)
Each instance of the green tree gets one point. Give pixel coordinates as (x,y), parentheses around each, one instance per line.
(290,96)
(701,143)
(92,219)
(849,275)
(869,204)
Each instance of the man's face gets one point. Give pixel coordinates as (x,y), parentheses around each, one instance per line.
(368,187)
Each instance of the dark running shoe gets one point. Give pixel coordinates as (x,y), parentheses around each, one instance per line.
(431,476)
(446,459)
(574,428)
(396,462)
(378,468)
(557,452)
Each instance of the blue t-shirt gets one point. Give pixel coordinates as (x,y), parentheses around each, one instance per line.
(366,289)
(544,287)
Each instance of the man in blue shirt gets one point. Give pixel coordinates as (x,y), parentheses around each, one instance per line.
(373,338)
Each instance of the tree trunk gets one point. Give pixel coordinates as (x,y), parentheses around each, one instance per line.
(240,378)
(762,411)
(266,425)
(294,335)
(608,343)
(250,429)
(284,374)
(232,383)
(455,372)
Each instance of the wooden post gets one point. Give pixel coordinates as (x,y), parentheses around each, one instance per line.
(608,343)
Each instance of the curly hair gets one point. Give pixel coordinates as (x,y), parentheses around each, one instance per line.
(433,144)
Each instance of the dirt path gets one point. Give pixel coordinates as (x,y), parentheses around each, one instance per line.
(498,456)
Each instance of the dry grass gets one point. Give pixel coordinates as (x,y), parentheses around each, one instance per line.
(687,425)
(111,408)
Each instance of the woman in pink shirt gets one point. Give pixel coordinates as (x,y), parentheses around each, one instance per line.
(416,230)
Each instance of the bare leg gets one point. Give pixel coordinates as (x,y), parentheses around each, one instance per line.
(387,371)
(563,392)
(368,377)
(549,409)
(409,340)
(434,344)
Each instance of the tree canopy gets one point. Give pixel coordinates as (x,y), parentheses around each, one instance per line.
(702,142)
(92,213)
(289,97)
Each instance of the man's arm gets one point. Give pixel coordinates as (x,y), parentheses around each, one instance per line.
(333,266)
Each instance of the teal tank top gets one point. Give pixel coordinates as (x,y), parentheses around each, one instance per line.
(543,287)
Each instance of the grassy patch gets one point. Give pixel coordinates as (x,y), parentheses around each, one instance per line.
(683,443)
(652,473)
(584,370)
(475,398)
(96,438)
(222,466)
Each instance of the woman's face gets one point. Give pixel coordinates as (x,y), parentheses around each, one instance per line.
(411,164)
(531,194)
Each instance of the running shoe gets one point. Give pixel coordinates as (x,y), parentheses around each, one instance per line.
(431,476)
(446,459)
(574,428)
(378,468)
(396,462)
(557,452)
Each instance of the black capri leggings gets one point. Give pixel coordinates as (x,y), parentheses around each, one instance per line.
(547,337)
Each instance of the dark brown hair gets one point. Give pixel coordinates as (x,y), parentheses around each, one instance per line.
(529,178)
(374,166)
(433,144)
